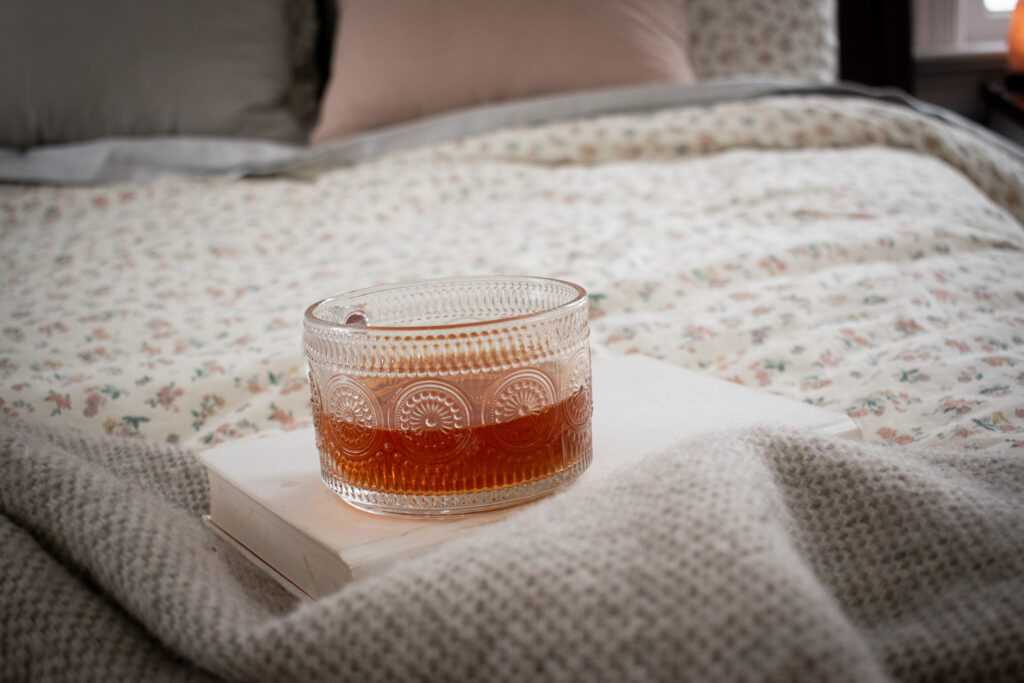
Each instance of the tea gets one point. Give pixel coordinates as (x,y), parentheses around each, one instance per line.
(441,459)
(451,396)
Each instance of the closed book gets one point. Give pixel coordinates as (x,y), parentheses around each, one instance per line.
(267,498)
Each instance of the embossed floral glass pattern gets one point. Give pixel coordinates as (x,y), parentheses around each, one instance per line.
(446,397)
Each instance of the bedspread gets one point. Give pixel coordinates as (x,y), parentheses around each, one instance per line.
(848,253)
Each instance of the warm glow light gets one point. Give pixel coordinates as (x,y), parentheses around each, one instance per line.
(1015,39)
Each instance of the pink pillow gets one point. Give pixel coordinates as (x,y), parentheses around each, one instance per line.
(396,60)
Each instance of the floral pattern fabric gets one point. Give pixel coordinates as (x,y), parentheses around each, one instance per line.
(842,252)
(787,38)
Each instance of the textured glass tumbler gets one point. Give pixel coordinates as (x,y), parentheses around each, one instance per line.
(454,396)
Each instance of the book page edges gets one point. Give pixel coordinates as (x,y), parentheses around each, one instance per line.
(311,566)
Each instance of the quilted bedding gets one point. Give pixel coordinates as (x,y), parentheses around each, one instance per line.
(848,253)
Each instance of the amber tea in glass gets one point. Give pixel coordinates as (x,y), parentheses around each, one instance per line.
(447,397)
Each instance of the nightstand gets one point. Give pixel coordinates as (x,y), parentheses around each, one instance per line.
(1004,110)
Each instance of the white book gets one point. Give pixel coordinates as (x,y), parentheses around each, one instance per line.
(267,498)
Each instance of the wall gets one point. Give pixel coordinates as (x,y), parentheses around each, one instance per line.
(957,48)
(954,81)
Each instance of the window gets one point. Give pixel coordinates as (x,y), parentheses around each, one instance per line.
(1000,5)
(985,20)
(958,26)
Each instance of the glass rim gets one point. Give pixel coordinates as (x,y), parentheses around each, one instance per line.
(310,318)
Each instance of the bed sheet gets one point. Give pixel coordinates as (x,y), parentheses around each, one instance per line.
(847,253)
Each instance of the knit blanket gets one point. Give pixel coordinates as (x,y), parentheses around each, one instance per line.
(755,555)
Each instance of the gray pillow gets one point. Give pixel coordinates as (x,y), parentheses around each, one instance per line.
(82,69)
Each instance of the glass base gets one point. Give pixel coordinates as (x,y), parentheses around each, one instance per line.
(453,505)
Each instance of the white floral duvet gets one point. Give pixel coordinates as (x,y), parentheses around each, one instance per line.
(843,252)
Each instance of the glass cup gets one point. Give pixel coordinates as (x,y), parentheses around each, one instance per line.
(452,396)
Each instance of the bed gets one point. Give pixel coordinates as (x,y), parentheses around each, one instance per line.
(848,248)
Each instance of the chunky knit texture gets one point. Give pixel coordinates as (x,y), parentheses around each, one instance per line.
(759,555)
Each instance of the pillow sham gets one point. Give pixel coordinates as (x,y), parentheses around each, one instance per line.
(787,38)
(396,60)
(75,70)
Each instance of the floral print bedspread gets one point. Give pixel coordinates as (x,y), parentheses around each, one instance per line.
(843,252)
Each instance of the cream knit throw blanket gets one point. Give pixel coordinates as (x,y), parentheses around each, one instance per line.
(762,555)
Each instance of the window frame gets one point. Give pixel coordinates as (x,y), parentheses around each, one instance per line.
(943,27)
